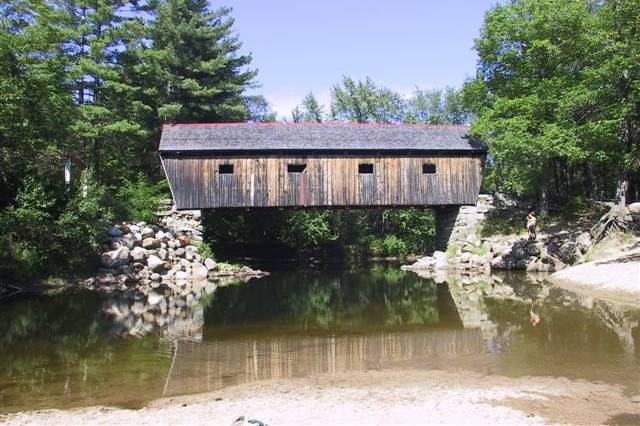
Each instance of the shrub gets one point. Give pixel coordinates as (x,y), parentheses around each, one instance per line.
(42,234)
(205,250)
(141,199)
(308,229)
(394,246)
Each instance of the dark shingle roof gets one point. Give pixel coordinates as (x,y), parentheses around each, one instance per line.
(316,137)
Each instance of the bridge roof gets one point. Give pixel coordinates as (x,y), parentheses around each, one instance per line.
(265,137)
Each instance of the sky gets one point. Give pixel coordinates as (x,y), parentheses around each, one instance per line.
(300,46)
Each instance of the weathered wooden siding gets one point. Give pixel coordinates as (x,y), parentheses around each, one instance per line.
(263,181)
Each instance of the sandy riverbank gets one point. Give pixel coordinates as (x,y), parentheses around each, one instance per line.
(386,397)
(615,277)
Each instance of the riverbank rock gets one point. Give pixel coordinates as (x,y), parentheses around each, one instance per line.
(146,255)
(114,258)
(467,250)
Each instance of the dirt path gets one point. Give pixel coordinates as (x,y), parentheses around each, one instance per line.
(398,397)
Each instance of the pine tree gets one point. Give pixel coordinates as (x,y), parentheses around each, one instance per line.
(195,64)
(297,115)
(312,110)
(98,36)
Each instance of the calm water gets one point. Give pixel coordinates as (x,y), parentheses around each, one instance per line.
(126,349)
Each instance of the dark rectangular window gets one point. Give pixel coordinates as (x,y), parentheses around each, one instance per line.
(296,168)
(429,169)
(365,169)
(225,169)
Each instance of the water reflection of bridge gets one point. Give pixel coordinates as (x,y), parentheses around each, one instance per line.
(200,367)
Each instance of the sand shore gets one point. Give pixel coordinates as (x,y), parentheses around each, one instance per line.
(385,397)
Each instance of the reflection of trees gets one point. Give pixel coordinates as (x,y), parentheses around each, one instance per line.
(57,351)
(311,300)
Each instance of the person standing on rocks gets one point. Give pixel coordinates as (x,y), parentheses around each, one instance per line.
(531,225)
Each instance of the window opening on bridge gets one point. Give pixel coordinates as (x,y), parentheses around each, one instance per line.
(296,168)
(225,169)
(428,169)
(365,168)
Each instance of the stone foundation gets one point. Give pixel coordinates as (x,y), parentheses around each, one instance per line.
(458,226)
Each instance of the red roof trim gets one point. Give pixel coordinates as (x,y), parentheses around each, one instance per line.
(313,123)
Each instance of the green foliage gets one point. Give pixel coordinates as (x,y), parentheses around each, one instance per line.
(92,81)
(391,245)
(500,222)
(378,232)
(197,73)
(205,250)
(140,198)
(555,101)
(436,107)
(364,101)
(312,109)
(37,239)
(306,229)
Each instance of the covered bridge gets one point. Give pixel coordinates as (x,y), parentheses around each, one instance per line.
(222,165)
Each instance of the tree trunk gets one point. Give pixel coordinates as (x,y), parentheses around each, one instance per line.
(545,189)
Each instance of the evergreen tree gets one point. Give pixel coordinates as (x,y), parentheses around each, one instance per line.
(196,65)
(297,115)
(98,33)
(312,110)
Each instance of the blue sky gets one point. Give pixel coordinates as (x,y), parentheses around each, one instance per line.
(298,46)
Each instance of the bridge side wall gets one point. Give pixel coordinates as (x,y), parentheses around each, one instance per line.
(264,181)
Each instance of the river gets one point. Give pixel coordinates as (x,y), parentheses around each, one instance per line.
(79,348)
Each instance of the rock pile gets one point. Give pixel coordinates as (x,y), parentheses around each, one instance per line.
(547,254)
(146,254)
(467,251)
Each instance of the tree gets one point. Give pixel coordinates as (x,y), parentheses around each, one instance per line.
(556,96)
(194,61)
(312,110)
(97,34)
(364,102)
(532,53)
(297,115)
(259,110)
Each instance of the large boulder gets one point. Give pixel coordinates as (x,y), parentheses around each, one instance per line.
(150,243)
(210,264)
(127,240)
(199,271)
(155,263)
(115,258)
(634,208)
(114,231)
(138,254)
(147,232)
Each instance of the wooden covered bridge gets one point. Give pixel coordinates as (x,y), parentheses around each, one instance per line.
(249,165)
